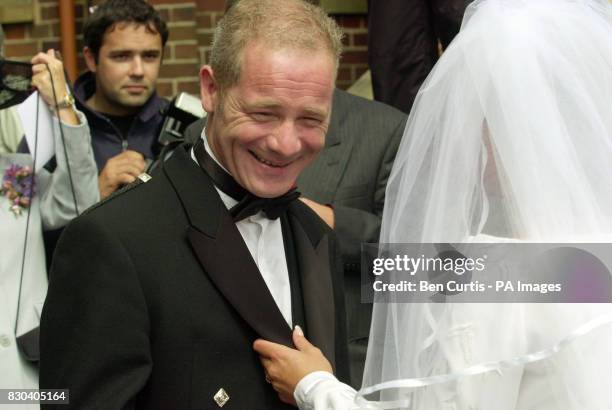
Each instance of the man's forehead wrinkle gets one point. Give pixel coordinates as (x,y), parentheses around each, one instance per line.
(258,79)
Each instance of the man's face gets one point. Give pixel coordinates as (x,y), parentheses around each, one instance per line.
(270,125)
(127,68)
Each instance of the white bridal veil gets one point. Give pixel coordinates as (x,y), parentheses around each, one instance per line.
(509,137)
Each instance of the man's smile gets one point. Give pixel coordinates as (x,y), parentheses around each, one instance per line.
(273,164)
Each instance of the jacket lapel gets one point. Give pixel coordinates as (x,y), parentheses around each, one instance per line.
(221,251)
(313,262)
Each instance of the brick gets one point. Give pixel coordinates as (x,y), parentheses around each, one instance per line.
(168,52)
(165,89)
(203,20)
(202,52)
(215,17)
(360,39)
(205,39)
(14,31)
(182,33)
(211,5)
(186,51)
(49,12)
(40,30)
(344,74)
(350,21)
(54,44)
(191,87)
(28,49)
(182,13)
(352,57)
(164,14)
(173,70)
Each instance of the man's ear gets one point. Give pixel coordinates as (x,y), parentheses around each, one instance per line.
(209,92)
(90,59)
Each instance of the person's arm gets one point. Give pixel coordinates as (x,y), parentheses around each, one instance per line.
(55,189)
(303,376)
(94,334)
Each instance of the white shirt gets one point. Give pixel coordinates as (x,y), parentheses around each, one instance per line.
(264,238)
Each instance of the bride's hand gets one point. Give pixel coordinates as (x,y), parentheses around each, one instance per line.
(285,367)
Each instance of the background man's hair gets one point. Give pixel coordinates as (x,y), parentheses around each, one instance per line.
(113,12)
(292,24)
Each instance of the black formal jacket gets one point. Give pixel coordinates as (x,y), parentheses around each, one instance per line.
(153,303)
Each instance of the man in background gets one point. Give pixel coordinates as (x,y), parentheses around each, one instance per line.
(124,42)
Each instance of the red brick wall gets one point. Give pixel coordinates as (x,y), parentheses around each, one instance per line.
(191,24)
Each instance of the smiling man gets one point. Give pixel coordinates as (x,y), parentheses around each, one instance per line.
(157,295)
(124,41)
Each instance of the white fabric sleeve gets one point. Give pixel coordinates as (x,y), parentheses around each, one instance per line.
(322,391)
(57,203)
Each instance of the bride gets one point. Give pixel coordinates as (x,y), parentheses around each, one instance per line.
(510,139)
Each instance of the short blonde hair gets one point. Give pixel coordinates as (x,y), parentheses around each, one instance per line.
(291,24)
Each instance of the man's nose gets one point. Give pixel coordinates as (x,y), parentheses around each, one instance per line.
(137,68)
(286,140)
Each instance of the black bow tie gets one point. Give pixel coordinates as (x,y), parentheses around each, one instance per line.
(248,204)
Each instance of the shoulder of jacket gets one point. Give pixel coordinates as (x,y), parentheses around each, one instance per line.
(142,179)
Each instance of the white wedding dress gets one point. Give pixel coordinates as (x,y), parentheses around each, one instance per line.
(510,138)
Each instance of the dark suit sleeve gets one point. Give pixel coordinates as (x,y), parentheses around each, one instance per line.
(342,369)
(94,326)
(354,226)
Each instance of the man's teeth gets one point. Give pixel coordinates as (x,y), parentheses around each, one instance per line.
(263,161)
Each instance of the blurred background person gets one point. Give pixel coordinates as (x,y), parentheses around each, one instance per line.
(30,201)
(404,41)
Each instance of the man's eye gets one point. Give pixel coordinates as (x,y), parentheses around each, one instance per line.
(120,57)
(311,121)
(151,56)
(262,116)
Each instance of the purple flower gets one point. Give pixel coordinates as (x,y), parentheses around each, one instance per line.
(18,187)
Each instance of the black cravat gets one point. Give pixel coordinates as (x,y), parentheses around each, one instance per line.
(248,204)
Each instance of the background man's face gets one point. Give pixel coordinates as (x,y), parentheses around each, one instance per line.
(273,122)
(127,68)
